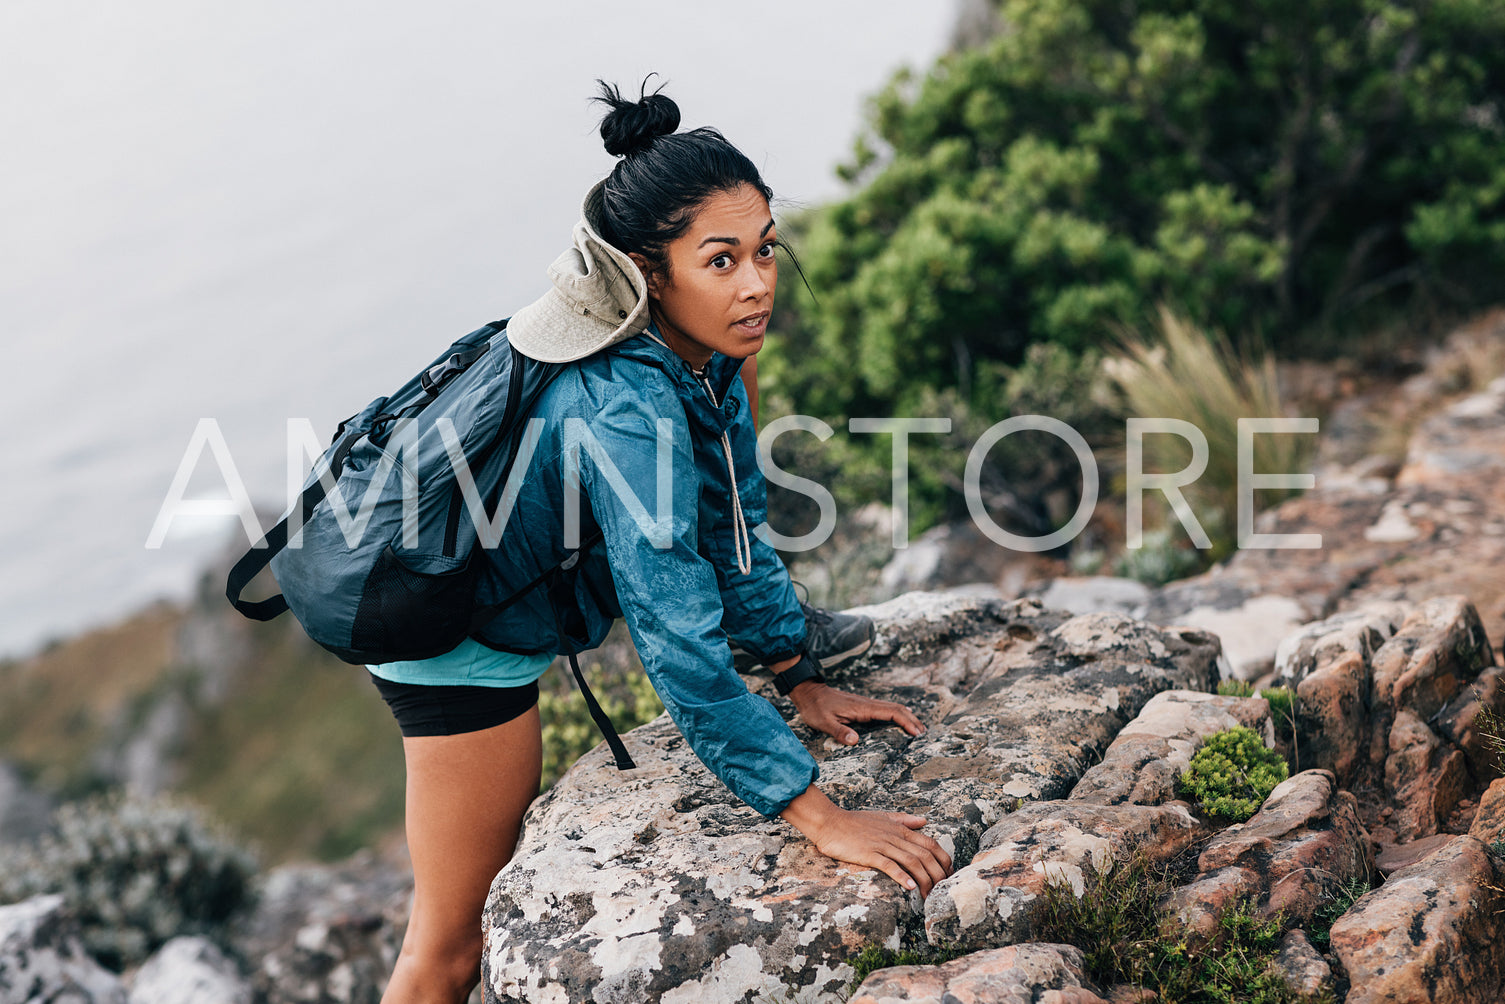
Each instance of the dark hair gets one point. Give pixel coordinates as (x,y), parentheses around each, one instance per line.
(652,195)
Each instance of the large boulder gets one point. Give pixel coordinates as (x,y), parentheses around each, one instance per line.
(996,899)
(1303,844)
(43,960)
(1433,932)
(1122,808)
(1489,821)
(1425,776)
(1334,714)
(1392,698)
(1440,648)
(1462,722)
(1358,631)
(658,885)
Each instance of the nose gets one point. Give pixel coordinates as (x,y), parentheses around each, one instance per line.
(755,285)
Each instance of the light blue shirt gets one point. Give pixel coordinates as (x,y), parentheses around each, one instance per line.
(468,664)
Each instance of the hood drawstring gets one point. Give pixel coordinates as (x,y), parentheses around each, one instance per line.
(740,539)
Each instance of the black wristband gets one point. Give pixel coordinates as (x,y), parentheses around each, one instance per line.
(806,669)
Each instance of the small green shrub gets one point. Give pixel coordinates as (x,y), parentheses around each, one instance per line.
(875,957)
(1492,731)
(1340,902)
(1236,688)
(1232,774)
(568,730)
(135,872)
(1164,557)
(1126,938)
(1282,704)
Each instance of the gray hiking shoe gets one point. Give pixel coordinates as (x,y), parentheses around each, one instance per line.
(831,638)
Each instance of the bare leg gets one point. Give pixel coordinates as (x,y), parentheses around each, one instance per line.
(466,796)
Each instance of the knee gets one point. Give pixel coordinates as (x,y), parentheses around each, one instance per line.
(453,964)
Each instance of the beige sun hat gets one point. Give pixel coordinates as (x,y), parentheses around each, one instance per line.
(599,297)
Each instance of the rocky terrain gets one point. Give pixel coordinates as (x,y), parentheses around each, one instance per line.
(1052,748)
(1057,722)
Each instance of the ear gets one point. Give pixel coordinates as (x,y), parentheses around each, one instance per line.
(649,273)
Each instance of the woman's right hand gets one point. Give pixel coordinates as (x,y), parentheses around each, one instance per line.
(891,842)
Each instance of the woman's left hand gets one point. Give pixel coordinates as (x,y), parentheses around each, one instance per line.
(832,711)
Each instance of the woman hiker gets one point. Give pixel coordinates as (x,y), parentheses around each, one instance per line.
(666,291)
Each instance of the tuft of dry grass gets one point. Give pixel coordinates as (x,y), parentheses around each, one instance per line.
(1198,377)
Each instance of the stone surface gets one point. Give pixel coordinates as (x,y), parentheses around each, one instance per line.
(189,971)
(1304,842)
(1199,905)
(1459,722)
(1121,807)
(1452,489)
(1359,631)
(1392,857)
(25,813)
(1089,594)
(1398,715)
(658,885)
(42,960)
(1018,974)
(1489,822)
(951,554)
(995,898)
(326,934)
(1143,762)
(1249,631)
(1433,932)
(1333,708)
(1424,776)
(1302,966)
(1439,649)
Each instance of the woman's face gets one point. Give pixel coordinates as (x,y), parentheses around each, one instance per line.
(722,275)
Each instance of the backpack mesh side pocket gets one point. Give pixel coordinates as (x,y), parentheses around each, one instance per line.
(406,615)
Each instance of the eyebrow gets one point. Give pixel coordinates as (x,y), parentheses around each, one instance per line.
(733,241)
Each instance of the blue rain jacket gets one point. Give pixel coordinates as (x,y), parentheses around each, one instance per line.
(675,580)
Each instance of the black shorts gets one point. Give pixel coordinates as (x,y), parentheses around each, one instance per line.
(425,710)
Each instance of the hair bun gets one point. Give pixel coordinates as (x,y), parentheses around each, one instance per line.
(632,126)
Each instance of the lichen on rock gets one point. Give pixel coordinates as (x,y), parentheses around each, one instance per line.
(656,884)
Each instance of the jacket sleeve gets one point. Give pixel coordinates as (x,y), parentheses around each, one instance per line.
(672,603)
(762,614)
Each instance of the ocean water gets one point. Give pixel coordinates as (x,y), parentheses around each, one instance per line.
(260,212)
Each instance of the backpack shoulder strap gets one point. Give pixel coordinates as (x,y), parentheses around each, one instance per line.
(275,541)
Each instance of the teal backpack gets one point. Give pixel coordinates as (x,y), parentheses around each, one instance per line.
(376,558)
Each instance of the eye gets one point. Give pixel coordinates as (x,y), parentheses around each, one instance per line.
(722,260)
(766,251)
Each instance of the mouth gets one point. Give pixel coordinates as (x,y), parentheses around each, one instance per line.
(754,324)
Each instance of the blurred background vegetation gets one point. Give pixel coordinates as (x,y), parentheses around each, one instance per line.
(1307,179)
(1090,210)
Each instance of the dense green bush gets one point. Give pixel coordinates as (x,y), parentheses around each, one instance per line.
(1265,168)
(1232,774)
(136,873)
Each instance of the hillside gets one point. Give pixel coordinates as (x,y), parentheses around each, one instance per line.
(291,748)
